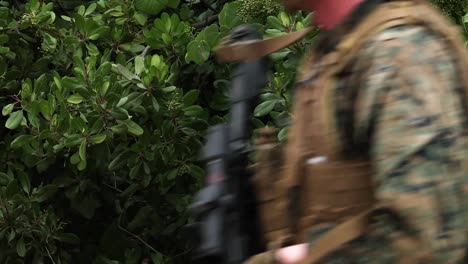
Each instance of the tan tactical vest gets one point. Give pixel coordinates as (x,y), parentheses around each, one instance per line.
(331,189)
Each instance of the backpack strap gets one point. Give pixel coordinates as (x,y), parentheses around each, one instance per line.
(353,228)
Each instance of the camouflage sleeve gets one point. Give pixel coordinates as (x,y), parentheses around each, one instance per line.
(406,108)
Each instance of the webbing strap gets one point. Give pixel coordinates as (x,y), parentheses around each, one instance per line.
(338,236)
(410,248)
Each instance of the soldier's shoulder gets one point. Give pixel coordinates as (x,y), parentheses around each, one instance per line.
(406,38)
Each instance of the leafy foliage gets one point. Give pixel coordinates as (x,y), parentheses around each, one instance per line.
(257,11)
(455,9)
(104,107)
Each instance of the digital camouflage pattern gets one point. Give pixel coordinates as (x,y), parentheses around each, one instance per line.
(401,102)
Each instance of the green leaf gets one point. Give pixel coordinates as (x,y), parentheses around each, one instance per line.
(282,134)
(82,165)
(4,179)
(4,38)
(279,55)
(126,73)
(14,120)
(146,180)
(308,19)
(120,113)
(169,89)
(92,49)
(21,247)
(285,19)
(229,15)
(24,181)
(66,18)
(191,97)
(133,128)
(69,238)
(75,99)
(132,47)
(94,37)
(45,193)
(11,236)
(104,88)
(264,108)
(81,10)
(198,51)
(20,141)
(49,41)
(44,109)
(83,150)
(210,34)
(173,3)
(134,171)
(116,163)
(194,110)
(122,101)
(97,139)
(3,66)
(155,104)
(119,129)
(139,64)
(275,22)
(155,60)
(73,140)
(75,158)
(90,9)
(151,7)
(140,18)
(7,109)
(4,50)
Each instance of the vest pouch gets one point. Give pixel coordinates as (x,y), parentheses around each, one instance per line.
(334,191)
(268,188)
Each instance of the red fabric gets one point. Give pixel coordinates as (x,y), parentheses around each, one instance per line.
(329,13)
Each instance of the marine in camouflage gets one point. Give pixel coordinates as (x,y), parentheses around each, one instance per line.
(400,102)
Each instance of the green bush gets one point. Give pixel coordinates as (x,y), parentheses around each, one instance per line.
(455,9)
(105,105)
(104,108)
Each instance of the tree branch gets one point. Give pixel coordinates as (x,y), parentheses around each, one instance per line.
(139,239)
(143,54)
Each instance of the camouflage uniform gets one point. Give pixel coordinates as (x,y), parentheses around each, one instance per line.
(400,101)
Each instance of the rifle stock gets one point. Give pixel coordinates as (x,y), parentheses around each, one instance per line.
(225,209)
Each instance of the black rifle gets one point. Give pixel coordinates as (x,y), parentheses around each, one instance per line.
(225,209)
